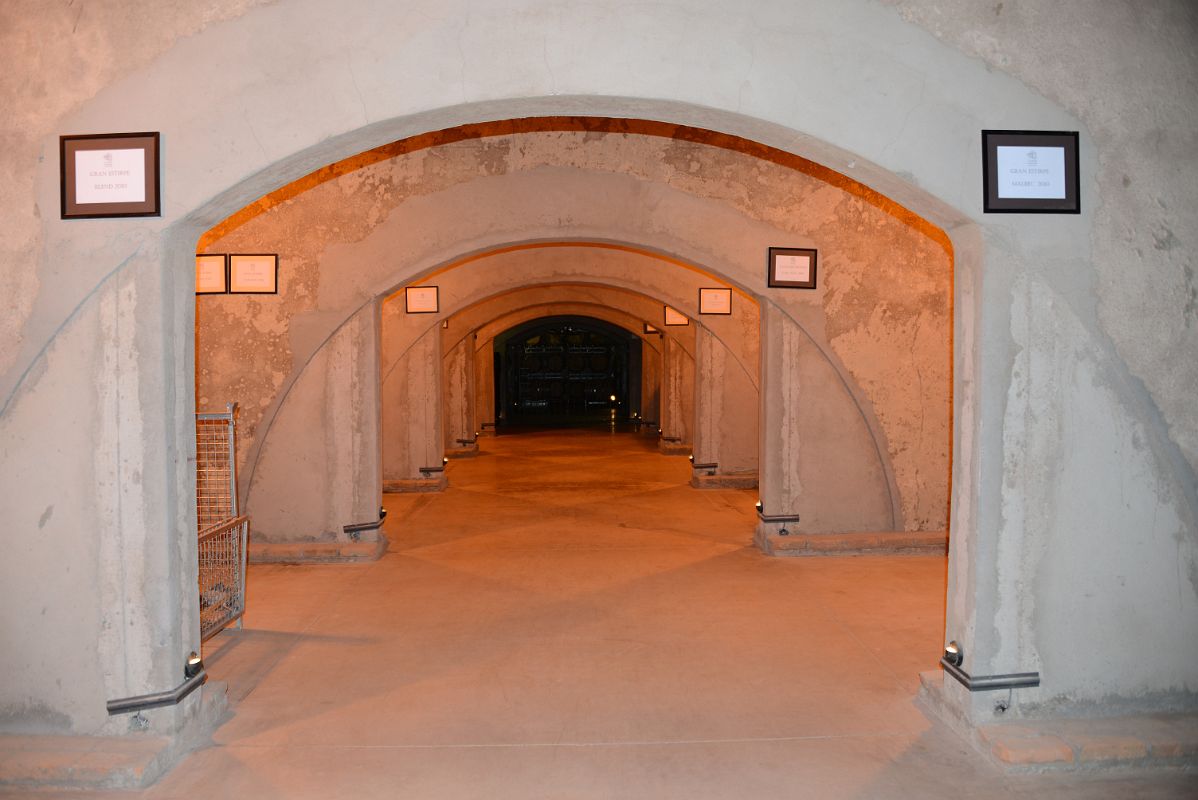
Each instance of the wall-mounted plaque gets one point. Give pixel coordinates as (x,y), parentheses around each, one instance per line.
(1030,172)
(792,268)
(673,317)
(109,175)
(212,275)
(650,329)
(422,300)
(715,301)
(256,273)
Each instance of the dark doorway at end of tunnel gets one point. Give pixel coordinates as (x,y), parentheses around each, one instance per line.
(567,371)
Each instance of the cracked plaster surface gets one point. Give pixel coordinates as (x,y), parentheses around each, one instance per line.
(78,48)
(1129,71)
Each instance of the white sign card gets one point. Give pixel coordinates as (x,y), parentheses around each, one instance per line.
(110,176)
(793,268)
(210,274)
(253,274)
(1031,172)
(676,318)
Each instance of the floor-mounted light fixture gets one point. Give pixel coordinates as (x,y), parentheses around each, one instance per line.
(193,666)
(779,518)
(953,654)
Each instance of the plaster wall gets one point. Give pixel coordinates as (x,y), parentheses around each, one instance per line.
(291,86)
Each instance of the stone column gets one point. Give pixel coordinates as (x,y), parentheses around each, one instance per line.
(484,385)
(677,398)
(458,388)
(318,470)
(709,400)
(725,420)
(650,410)
(412,424)
(780,489)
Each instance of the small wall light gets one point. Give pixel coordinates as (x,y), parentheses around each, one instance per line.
(759,507)
(193,666)
(444,461)
(953,654)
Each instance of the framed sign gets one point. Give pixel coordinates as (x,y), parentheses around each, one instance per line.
(109,175)
(676,318)
(1030,172)
(715,301)
(256,273)
(792,268)
(650,329)
(212,276)
(422,300)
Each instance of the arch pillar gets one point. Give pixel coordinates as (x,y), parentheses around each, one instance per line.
(412,417)
(324,457)
(677,398)
(458,380)
(820,468)
(724,434)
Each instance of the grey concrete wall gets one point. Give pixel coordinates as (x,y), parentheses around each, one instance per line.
(1073,336)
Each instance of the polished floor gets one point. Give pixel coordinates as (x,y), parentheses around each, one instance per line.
(571,620)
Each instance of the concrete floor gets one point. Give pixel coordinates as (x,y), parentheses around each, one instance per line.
(571,620)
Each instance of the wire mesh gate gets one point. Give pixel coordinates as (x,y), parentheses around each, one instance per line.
(223,534)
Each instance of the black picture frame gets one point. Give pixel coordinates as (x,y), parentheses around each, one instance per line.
(211,259)
(91,169)
(673,318)
(651,330)
(416,299)
(1048,164)
(253,273)
(785,268)
(715,300)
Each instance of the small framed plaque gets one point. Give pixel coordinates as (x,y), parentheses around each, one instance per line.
(109,175)
(256,273)
(212,276)
(1030,172)
(673,317)
(422,300)
(649,329)
(792,267)
(715,301)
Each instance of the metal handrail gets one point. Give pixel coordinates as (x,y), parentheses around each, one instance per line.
(168,697)
(983,683)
